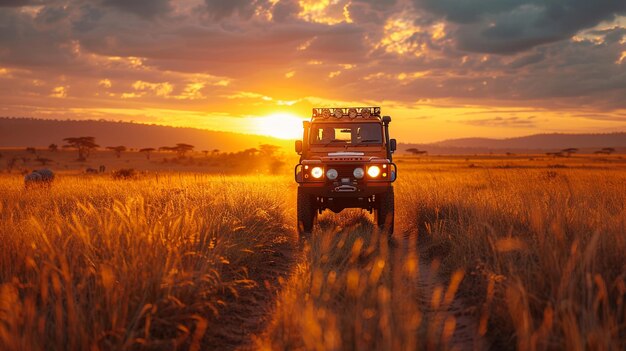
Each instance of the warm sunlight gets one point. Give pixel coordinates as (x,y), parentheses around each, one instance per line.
(281,125)
(244,174)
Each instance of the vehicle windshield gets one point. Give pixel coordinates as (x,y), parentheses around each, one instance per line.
(346,133)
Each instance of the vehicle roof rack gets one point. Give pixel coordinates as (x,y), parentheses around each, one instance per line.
(346,112)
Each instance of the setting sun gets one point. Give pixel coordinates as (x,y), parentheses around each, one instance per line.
(280,125)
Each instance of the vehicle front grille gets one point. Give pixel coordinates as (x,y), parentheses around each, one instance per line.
(345,171)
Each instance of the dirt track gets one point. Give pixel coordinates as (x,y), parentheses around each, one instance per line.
(247,320)
(248,313)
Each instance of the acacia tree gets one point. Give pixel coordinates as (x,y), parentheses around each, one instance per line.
(608,150)
(84,146)
(43,161)
(117,149)
(268,150)
(53,147)
(568,152)
(147,150)
(416,151)
(182,149)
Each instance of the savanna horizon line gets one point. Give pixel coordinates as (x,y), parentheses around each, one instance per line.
(283,140)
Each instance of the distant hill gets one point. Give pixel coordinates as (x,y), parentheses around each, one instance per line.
(30,132)
(542,141)
(538,143)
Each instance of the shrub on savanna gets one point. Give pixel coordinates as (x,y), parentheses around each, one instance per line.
(125,173)
(150,264)
(546,253)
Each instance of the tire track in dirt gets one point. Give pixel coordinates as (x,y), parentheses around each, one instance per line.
(248,311)
(432,293)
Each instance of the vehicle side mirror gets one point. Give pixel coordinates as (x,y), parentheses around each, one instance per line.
(392,145)
(299,146)
(386,119)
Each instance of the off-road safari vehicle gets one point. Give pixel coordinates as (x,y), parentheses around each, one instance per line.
(346,162)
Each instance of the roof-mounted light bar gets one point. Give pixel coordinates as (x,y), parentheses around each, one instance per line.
(350,112)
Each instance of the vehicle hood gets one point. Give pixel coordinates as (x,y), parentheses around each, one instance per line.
(347,156)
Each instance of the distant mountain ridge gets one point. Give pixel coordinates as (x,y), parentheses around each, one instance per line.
(542,141)
(32,132)
(527,144)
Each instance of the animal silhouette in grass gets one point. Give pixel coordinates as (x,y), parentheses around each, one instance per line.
(39,178)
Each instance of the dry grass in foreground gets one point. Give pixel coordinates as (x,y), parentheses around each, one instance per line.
(500,253)
(159,263)
(522,257)
(352,291)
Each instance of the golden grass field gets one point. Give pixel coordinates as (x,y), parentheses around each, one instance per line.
(490,252)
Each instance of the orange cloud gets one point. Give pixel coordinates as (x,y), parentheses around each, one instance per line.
(429,64)
(59,92)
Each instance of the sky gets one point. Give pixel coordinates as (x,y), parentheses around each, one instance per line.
(441,69)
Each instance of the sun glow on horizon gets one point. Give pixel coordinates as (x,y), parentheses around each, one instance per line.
(282,125)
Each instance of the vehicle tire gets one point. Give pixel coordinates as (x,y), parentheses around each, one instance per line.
(384,212)
(306,213)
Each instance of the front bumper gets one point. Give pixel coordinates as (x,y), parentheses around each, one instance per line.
(321,190)
(345,186)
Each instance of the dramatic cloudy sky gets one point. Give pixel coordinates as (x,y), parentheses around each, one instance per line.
(441,68)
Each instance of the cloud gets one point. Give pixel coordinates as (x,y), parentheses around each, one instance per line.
(15,3)
(285,10)
(105,83)
(269,54)
(506,122)
(510,26)
(529,59)
(59,92)
(141,8)
(603,117)
(26,43)
(220,9)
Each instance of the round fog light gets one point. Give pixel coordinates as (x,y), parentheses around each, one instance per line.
(358,173)
(332,174)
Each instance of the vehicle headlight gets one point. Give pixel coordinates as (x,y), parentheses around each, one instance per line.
(332,174)
(358,173)
(317,172)
(373,171)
